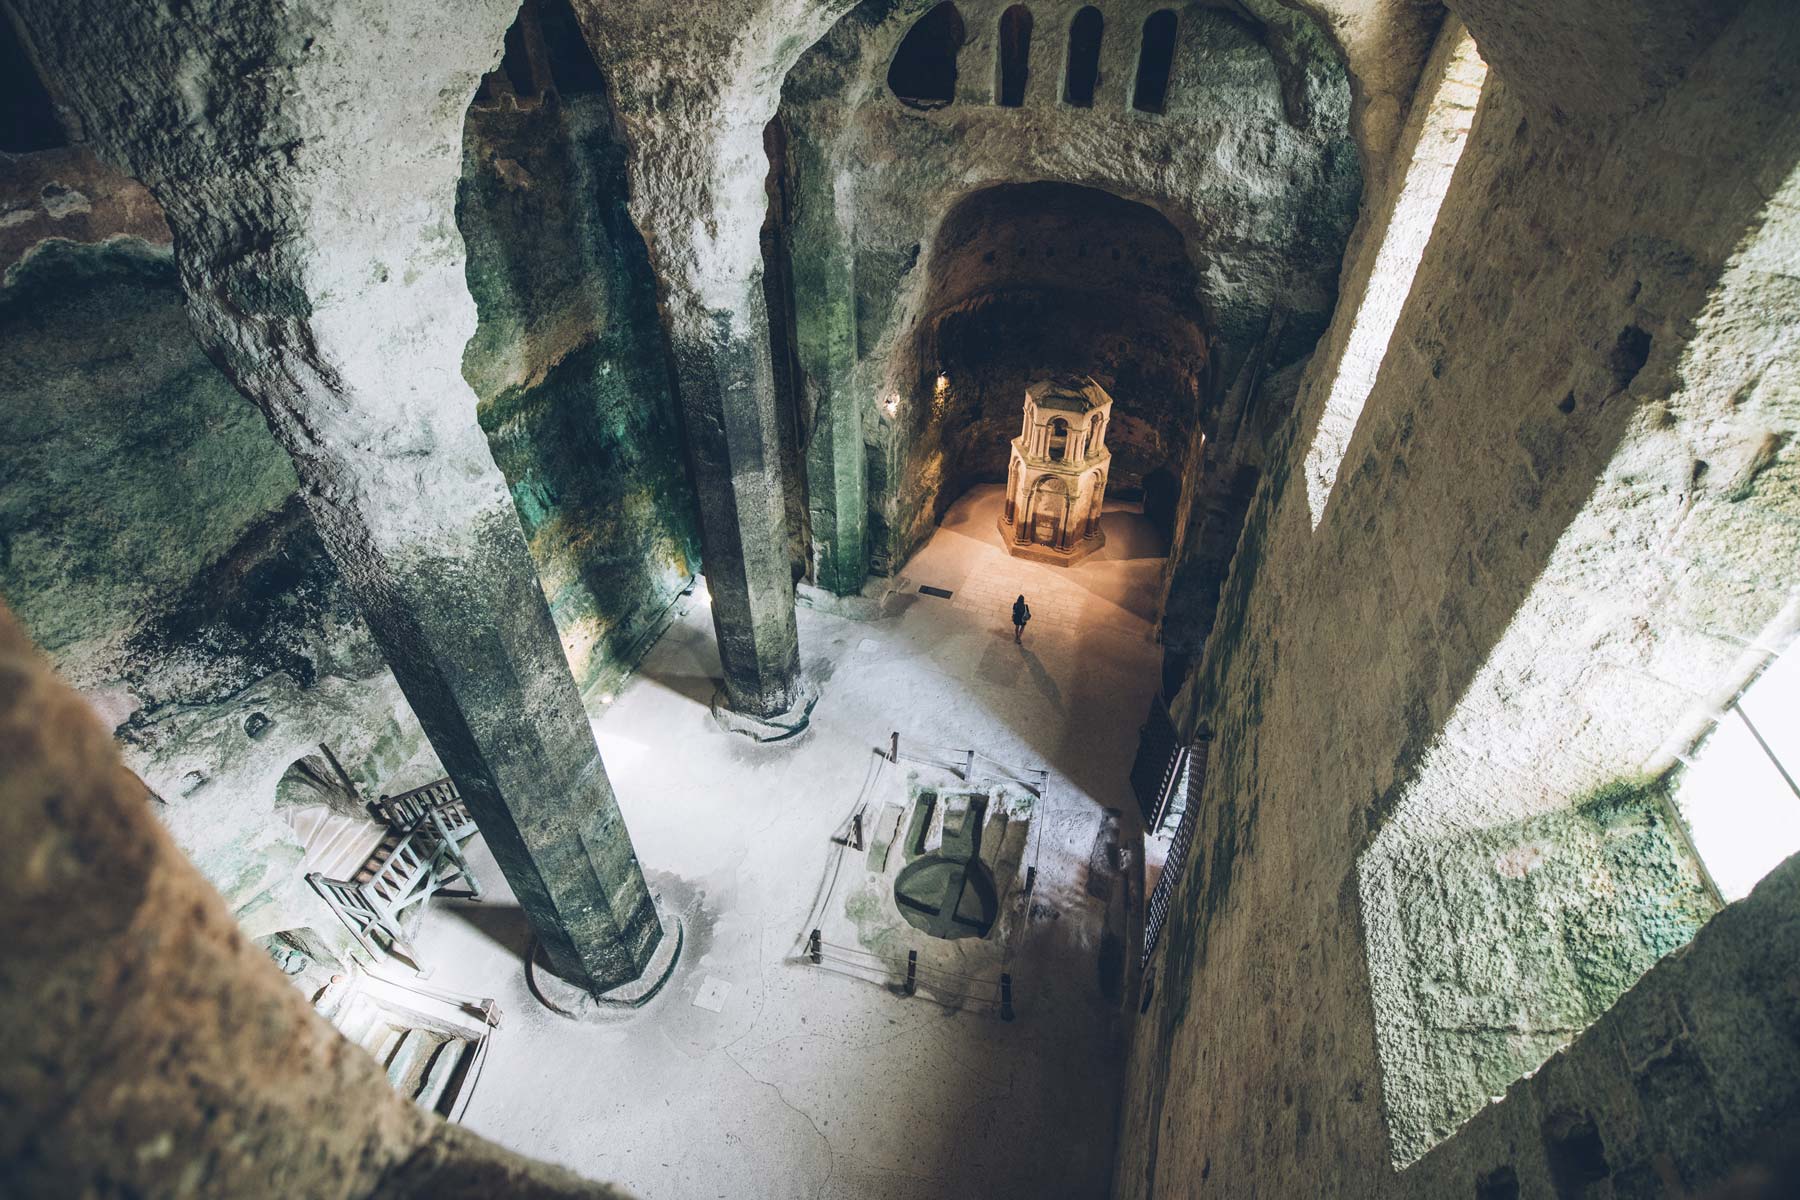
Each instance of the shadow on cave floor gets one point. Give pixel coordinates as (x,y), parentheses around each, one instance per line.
(687,661)
(499,920)
(698,688)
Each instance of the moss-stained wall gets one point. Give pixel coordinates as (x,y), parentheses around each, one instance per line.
(571,367)
(152,542)
(102,379)
(151,536)
(1492,947)
(1567,507)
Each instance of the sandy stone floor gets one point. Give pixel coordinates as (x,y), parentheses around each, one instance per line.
(755,1074)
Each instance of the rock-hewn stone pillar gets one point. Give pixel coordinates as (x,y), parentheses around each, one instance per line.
(693,107)
(313,227)
(727,390)
(163,1053)
(825,332)
(458,609)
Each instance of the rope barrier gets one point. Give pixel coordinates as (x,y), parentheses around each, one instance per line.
(942,983)
(896,962)
(966,757)
(939,993)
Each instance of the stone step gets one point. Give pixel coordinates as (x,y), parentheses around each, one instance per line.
(306,822)
(352,848)
(357,1019)
(444,1067)
(327,838)
(406,1066)
(383,1040)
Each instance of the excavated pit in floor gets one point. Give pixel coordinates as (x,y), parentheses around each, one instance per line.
(756,1073)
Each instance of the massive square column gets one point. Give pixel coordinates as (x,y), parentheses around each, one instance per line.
(313,219)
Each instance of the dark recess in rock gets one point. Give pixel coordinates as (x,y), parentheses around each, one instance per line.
(1083,73)
(923,73)
(28,119)
(1629,354)
(1155,58)
(1015,56)
(1573,1149)
(1502,1183)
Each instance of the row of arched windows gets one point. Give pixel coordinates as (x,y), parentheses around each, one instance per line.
(923,73)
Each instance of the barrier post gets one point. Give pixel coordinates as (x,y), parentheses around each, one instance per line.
(912,971)
(815,948)
(1006,1008)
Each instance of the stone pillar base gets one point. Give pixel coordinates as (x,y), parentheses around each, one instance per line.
(779,728)
(578,1004)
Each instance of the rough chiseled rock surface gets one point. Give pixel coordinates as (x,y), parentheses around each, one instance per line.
(1232,204)
(1568,506)
(324,273)
(152,542)
(153,535)
(1571,495)
(209,1074)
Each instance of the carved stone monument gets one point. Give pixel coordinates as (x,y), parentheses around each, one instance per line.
(1056,482)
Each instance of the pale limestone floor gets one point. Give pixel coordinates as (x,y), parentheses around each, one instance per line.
(807,1083)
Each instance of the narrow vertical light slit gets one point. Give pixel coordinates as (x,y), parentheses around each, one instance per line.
(1435,154)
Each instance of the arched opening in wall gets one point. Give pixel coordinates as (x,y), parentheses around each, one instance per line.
(1086,302)
(1614,773)
(1015,56)
(318,780)
(1437,134)
(923,72)
(545,53)
(1156,57)
(27,114)
(1083,71)
(1162,488)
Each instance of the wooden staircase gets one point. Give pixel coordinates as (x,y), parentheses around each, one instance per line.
(375,873)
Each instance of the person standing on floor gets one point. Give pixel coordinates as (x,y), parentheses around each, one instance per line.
(1021,614)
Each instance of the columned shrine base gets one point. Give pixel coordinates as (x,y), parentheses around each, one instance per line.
(1037,552)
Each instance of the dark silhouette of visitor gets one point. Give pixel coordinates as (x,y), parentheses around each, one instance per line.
(1021,614)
